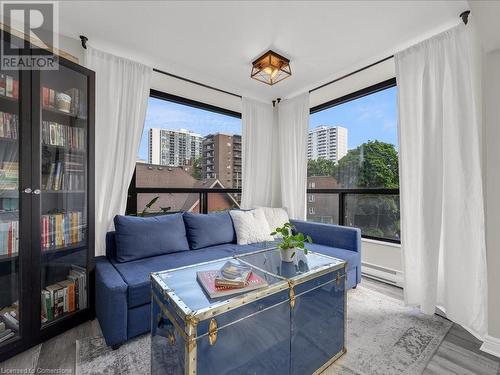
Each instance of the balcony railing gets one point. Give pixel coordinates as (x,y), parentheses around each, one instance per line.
(375,211)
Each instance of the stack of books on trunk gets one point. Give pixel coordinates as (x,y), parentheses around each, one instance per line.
(232,278)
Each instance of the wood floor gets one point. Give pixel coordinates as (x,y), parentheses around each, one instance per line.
(458,353)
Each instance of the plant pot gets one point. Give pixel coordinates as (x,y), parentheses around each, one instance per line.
(288,255)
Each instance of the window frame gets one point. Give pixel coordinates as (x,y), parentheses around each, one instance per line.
(133,190)
(384,85)
(157,94)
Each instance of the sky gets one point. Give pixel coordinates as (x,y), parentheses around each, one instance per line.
(372,117)
(167,115)
(368,118)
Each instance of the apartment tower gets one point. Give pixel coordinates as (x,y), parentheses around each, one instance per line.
(327,142)
(221,159)
(173,147)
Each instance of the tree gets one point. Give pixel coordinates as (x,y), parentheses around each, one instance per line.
(320,167)
(372,164)
(197,168)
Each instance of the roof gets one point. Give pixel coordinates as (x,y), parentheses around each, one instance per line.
(152,175)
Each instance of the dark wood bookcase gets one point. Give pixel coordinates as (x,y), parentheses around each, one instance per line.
(46,202)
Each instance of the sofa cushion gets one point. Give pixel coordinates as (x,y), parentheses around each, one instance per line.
(204,230)
(352,258)
(251,226)
(142,237)
(136,273)
(276,218)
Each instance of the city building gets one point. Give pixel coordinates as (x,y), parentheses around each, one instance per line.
(221,159)
(323,208)
(327,142)
(173,147)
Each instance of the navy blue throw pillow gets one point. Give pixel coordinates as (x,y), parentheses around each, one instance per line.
(205,230)
(141,237)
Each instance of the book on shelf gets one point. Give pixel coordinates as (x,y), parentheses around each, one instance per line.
(67,174)
(9,86)
(54,134)
(9,125)
(9,238)
(207,281)
(79,274)
(9,204)
(62,229)
(9,175)
(5,333)
(9,316)
(66,296)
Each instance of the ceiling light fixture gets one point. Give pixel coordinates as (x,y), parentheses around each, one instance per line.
(271,68)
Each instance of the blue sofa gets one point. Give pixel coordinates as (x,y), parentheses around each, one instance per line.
(140,246)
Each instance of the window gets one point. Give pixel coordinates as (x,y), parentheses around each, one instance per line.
(187,145)
(361,155)
(312,211)
(311,198)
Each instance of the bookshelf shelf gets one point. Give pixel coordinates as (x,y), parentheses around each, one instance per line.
(64,149)
(61,318)
(9,215)
(9,193)
(62,113)
(8,99)
(65,249)
(41,142)
(8,140)
(8,258)
(63,191)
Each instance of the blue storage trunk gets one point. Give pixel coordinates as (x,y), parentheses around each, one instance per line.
(295,325)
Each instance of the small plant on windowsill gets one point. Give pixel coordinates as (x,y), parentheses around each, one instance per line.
(290,243)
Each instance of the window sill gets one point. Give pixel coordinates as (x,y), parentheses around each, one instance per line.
(380,242)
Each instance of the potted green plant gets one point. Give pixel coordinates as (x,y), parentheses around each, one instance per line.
(290,243)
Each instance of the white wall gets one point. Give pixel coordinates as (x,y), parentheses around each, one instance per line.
(191,91)
(492,139)
(382,260)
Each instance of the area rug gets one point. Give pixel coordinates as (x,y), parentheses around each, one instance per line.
(383,337)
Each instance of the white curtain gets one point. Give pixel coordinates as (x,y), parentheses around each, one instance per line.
(442,213)
(260,174)
(122,90)
(293,125)
(275,154)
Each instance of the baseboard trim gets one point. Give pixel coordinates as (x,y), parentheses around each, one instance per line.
(491,345)
(383,274)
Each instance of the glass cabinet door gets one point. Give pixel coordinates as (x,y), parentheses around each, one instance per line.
(64,198)
(10,197)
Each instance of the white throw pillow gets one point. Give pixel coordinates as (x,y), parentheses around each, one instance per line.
(251,226)
(276,217)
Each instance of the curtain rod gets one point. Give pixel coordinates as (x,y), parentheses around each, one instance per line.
(196,83)
(352,73)
(84,41)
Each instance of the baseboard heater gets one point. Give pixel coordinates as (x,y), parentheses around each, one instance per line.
(386,275)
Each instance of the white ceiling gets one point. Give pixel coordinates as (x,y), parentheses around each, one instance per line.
(214,42)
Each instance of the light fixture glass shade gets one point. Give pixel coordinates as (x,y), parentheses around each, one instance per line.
(271,68)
